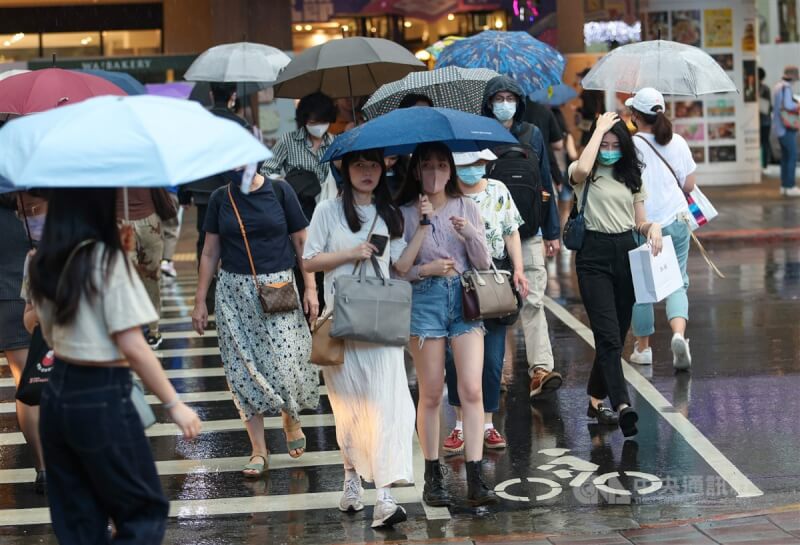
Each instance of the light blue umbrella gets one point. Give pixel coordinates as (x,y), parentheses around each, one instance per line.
(140,141)
(555,95)
(400,131)
(532,64)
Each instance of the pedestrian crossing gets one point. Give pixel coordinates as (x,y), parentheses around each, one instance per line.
(192,363)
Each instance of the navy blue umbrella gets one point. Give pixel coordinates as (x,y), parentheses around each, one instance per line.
(123,80)
(400,131)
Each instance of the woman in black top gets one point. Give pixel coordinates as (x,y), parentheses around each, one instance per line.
(265,356)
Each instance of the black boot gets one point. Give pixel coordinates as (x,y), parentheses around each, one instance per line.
(477,491)
(434,492)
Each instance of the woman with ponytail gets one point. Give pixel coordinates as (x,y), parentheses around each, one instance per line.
(668,173)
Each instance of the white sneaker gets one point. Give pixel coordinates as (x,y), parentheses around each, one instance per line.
(645,357)
(387,513)
(681,356)
(168,268)
(351,496)
(790,191)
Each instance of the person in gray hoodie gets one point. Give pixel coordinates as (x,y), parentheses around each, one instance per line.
(504,100)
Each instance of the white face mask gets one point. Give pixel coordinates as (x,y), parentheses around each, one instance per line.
(36,226)
(317,130)
(504,111)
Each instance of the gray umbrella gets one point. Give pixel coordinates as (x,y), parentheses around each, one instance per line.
(238,62)
(451,87)
(345,68)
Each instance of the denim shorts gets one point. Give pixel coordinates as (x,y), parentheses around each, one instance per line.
(436,309)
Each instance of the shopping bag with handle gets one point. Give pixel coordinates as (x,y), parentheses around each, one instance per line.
(655,277)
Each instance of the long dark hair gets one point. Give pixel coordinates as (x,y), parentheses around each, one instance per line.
(659,124)
(383,197)
(412,186)
(628,170)
(75,215)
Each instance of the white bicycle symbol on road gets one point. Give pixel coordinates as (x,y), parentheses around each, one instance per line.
(579,471)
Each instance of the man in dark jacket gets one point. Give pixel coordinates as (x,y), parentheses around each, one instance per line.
(504,100)
(223,96)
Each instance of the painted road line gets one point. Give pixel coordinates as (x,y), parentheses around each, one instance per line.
(171,373)
(182,320)
(705,449)
(229,506)
(191,397)
(204,466)
(188,352)
(431,513)
(188,299)
(177,308)
(168,429)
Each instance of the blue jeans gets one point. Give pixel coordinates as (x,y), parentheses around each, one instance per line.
(494,350)
(99,463)
(436,310)
(788,157)
(678,302)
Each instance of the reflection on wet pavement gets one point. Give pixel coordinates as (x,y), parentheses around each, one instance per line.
(560,472)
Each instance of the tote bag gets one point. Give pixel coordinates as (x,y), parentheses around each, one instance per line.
(655,277)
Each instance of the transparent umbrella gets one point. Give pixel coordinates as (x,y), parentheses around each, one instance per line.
(670,67)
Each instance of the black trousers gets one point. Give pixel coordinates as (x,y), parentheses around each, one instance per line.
(604,278)
(201,234)
(99,463)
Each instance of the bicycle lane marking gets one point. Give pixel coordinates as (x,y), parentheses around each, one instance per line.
(743,486)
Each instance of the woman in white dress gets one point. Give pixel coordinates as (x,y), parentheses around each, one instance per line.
(369,394)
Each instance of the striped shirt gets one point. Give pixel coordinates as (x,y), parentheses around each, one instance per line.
(293,150)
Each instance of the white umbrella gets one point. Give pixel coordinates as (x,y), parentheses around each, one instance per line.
(670,67)
(239,62)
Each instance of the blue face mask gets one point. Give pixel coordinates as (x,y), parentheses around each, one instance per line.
(471,175)
(504,111)
(608,158)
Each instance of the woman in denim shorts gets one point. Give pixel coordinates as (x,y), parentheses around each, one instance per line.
(445,236)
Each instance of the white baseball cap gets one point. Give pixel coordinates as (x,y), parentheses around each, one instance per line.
(470,157)
(646,100)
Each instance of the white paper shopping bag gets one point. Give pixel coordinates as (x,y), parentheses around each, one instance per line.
(655,277)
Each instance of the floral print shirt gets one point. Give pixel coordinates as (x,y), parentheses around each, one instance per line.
(500,215)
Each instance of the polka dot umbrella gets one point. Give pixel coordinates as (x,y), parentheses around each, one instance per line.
(532,64)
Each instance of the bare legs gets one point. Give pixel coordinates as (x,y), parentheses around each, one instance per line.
(27,415)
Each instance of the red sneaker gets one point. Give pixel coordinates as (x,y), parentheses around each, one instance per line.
(454,444)
(493,439)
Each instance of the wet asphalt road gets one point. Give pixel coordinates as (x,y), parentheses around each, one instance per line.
(732,422)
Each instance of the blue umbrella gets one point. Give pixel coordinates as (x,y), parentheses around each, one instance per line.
(141,141)
(532,64)
(555,95)
(400,131)
(123,80)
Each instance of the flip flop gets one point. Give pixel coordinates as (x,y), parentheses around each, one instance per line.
(256,470)
(295,444)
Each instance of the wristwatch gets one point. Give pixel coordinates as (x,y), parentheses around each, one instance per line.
(425,220)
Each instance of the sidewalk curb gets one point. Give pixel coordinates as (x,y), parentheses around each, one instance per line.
(776,234)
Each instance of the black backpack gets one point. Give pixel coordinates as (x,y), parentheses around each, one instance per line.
(517,166)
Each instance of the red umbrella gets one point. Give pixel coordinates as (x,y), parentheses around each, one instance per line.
(45,89)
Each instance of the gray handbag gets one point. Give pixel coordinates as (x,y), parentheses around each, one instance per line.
(140,404)
(372,309)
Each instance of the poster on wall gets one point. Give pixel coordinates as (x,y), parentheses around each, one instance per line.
(722,154)
(721,107)
(686,27)
(691,132)
(722,131)
(749,37)
(750,89)
(718,27)
(691,108)
(698,154)
(725,60)
(656,25)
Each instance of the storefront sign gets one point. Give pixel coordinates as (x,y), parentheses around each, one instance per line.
(161,63)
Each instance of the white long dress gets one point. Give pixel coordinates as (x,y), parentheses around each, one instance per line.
(369,394)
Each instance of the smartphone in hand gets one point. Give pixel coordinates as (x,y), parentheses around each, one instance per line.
(379,241)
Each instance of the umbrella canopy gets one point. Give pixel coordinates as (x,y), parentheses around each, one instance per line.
(9,73)
(670,67)
(238,62)
(555,95)
(123,80)
(141,141)
(436,48)
(346,68)
(45,89)
(451,87)
(400,131)
(532,64)
(177,89)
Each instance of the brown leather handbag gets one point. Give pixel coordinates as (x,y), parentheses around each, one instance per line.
(276,297)
(326,350)
(487,294)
